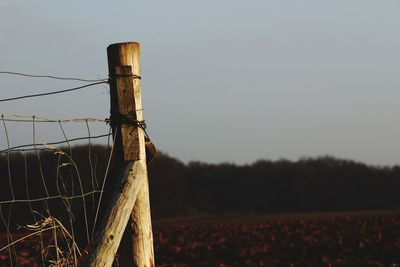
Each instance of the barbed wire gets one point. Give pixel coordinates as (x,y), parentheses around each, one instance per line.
(34,118)
(52,77)
(51,93)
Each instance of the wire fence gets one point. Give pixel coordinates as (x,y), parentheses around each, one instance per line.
(51,191)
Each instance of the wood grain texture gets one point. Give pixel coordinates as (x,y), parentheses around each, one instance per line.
(120,56)
(127,108)
(108,239)
(125,95)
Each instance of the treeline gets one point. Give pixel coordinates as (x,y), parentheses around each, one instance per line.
(307,185)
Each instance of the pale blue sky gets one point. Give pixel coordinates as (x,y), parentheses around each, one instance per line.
(223,81)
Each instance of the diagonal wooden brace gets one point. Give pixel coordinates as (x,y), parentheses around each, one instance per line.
(119,210)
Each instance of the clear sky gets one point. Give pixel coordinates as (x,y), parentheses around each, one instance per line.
(223,81)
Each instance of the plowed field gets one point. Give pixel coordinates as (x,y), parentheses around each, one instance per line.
(347,240)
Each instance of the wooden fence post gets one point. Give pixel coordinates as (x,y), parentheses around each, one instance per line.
(130,202)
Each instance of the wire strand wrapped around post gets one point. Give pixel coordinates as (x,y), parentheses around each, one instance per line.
(126,114)
(118,119)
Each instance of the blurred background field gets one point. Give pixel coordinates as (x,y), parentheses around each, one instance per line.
(319,239)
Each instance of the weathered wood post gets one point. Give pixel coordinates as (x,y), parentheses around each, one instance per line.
(130,202)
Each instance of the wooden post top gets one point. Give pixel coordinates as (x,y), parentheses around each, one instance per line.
(124,43)
(125,92)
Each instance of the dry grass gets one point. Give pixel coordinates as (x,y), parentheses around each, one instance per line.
(47,241)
